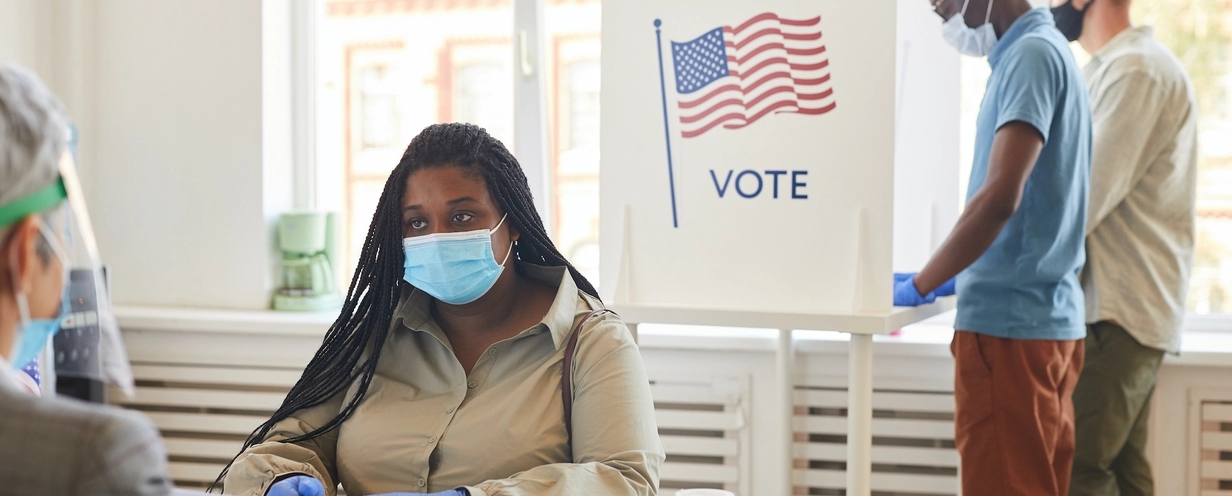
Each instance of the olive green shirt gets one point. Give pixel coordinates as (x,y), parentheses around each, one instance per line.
(427,426)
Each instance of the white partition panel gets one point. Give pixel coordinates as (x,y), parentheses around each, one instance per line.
(754,156)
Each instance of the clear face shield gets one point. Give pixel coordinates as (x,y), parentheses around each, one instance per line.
(83,341)
(88,345)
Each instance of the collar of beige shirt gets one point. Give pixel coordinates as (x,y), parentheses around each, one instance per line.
(1123,38)
(415,312)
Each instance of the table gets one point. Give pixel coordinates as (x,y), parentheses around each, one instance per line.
(861,327)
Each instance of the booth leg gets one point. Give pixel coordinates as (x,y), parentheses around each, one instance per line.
(787,389)
(860,415)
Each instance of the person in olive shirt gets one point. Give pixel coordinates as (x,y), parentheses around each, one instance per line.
(1140,238)
(444,372)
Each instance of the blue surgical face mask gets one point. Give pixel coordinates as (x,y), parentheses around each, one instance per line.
(33,334)
(455,268)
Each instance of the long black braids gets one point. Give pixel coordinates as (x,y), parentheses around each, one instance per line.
(364,322)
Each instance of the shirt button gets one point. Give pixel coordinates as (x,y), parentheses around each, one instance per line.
(491,352)
(432,440)
(450,410)
(422,482)
(472,384)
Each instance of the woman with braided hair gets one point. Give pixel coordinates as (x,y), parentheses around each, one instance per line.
(469,358)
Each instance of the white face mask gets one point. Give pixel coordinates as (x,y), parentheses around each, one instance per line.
(976,42)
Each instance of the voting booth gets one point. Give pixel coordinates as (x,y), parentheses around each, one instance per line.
(771,164)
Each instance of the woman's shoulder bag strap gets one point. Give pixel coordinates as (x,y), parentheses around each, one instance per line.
(566,376)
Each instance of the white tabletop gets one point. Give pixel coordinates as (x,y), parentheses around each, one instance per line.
(868,323)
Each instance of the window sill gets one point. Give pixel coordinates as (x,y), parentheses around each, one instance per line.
(1207,341)
(207,320)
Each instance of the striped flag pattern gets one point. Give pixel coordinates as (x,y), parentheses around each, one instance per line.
(734,76)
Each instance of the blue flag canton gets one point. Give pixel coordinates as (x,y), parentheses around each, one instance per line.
(700,62)
(32,369)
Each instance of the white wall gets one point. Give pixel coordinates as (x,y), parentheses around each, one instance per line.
(926,154)
(24,30)
(277,170)
(50,37)
(184,111)
(182,130)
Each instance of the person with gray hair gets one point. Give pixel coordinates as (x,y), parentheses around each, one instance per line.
(51,446)
(28,163)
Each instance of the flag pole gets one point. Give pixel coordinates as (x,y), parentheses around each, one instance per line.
(667,133)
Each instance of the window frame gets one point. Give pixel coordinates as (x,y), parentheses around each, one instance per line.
(1207,323)
(305,18)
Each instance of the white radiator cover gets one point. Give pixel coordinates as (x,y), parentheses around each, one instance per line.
(1211,449)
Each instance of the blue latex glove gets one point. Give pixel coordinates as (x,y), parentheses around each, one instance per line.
(297,485)
(906,295)
(451,492)
(947,289)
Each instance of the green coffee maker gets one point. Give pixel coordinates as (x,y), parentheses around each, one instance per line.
(310,248)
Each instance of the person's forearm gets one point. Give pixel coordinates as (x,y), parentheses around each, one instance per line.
(975,231)
(1015,148)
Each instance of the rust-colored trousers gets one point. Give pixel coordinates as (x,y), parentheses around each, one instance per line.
(1014,422)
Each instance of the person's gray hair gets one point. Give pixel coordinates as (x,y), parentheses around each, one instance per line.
(33,136)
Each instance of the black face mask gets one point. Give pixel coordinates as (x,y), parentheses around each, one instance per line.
(1069,19)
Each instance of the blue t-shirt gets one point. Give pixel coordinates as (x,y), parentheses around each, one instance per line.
(1026,285)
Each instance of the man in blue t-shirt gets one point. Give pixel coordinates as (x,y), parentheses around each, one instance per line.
(1017,250)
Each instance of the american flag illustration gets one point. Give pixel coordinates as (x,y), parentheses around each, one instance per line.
(734,76)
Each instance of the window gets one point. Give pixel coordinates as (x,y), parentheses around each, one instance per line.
(572,49)
(378,123)
(482,90)
(388,68)
(482,98)
(385,70)
(575,131)
(1199,32)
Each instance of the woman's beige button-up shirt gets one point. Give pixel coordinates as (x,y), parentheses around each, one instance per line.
(426,426)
